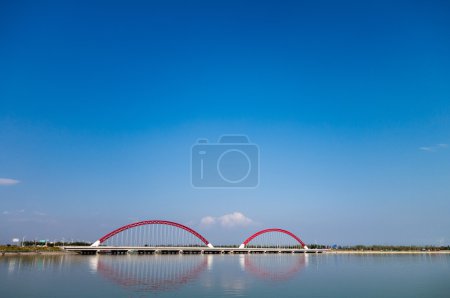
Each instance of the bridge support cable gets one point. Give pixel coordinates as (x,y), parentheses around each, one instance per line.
(273,238)
(153,233)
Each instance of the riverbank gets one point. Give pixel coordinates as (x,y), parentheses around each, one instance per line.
(59,251)
(17,250)
(374,252)
(33,253)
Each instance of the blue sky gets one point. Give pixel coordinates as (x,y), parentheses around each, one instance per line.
(349,104)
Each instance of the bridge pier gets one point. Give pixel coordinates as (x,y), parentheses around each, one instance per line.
(121,250)
(146,252)
(89,252)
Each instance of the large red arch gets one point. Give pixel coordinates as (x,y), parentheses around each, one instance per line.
(152,222)
(273,230)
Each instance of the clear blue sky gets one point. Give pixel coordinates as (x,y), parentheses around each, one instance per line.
(349,103)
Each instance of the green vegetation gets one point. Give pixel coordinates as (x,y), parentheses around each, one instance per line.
(392,248)
(317,246)
(59,243)
(12,248)
(33,246)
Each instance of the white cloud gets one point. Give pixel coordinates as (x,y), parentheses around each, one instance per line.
(434,148)
(14,212)
(234,219)
(208,220)
(429,149)
(228,220)
(8,181)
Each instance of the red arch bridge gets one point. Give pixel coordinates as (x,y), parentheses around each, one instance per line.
(168,237)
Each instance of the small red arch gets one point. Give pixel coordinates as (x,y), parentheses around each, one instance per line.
(154,222)
(273,230)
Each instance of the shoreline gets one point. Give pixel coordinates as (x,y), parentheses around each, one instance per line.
(374,252)
(335,252)
(34,253)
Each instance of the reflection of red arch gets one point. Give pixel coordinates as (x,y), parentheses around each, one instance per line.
(272,230)
(275,276)
(152,222)
(150,283)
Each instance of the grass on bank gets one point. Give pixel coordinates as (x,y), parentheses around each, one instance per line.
(392,248)
(12,248)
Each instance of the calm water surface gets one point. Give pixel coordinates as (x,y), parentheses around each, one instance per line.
(323,275)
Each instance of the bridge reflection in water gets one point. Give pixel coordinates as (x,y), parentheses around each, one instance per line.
(157,273)
(150,273)
(274,267)
(165,273)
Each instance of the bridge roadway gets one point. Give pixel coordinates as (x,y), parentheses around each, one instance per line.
(90,250)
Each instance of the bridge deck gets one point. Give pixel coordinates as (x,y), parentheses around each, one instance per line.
(183,250)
